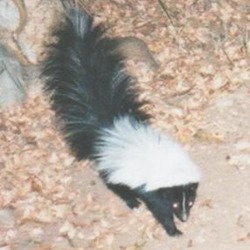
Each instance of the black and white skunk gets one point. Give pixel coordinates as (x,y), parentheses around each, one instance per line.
(101,118)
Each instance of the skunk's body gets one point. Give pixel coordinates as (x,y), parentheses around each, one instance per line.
(100,116)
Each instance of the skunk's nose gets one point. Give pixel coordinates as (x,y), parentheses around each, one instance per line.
(184,217)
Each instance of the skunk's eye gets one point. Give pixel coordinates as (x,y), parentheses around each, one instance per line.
(190,203)
(175,205)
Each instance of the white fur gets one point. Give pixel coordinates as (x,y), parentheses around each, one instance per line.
(134,154)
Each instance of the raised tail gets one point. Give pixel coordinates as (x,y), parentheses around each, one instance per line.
(86,82)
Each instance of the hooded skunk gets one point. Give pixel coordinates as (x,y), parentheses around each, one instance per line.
(100,117)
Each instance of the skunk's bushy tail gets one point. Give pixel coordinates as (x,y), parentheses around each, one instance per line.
(86,82)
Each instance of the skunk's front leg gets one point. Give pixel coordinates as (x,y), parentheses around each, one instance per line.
(126,194)
(161,210)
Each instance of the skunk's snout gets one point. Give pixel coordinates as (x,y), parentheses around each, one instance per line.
(184,217)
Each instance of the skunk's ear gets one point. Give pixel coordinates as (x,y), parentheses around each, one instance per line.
(194,186)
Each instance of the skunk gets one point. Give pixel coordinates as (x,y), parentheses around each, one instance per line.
(101,118)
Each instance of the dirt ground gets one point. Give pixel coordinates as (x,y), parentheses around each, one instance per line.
(200,94)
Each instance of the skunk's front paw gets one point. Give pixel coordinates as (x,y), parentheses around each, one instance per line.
(174,232)
(133,203)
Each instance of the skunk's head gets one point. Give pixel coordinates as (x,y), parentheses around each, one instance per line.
(180,199)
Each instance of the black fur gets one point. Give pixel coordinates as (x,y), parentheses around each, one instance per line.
(87,83)
(129,196)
